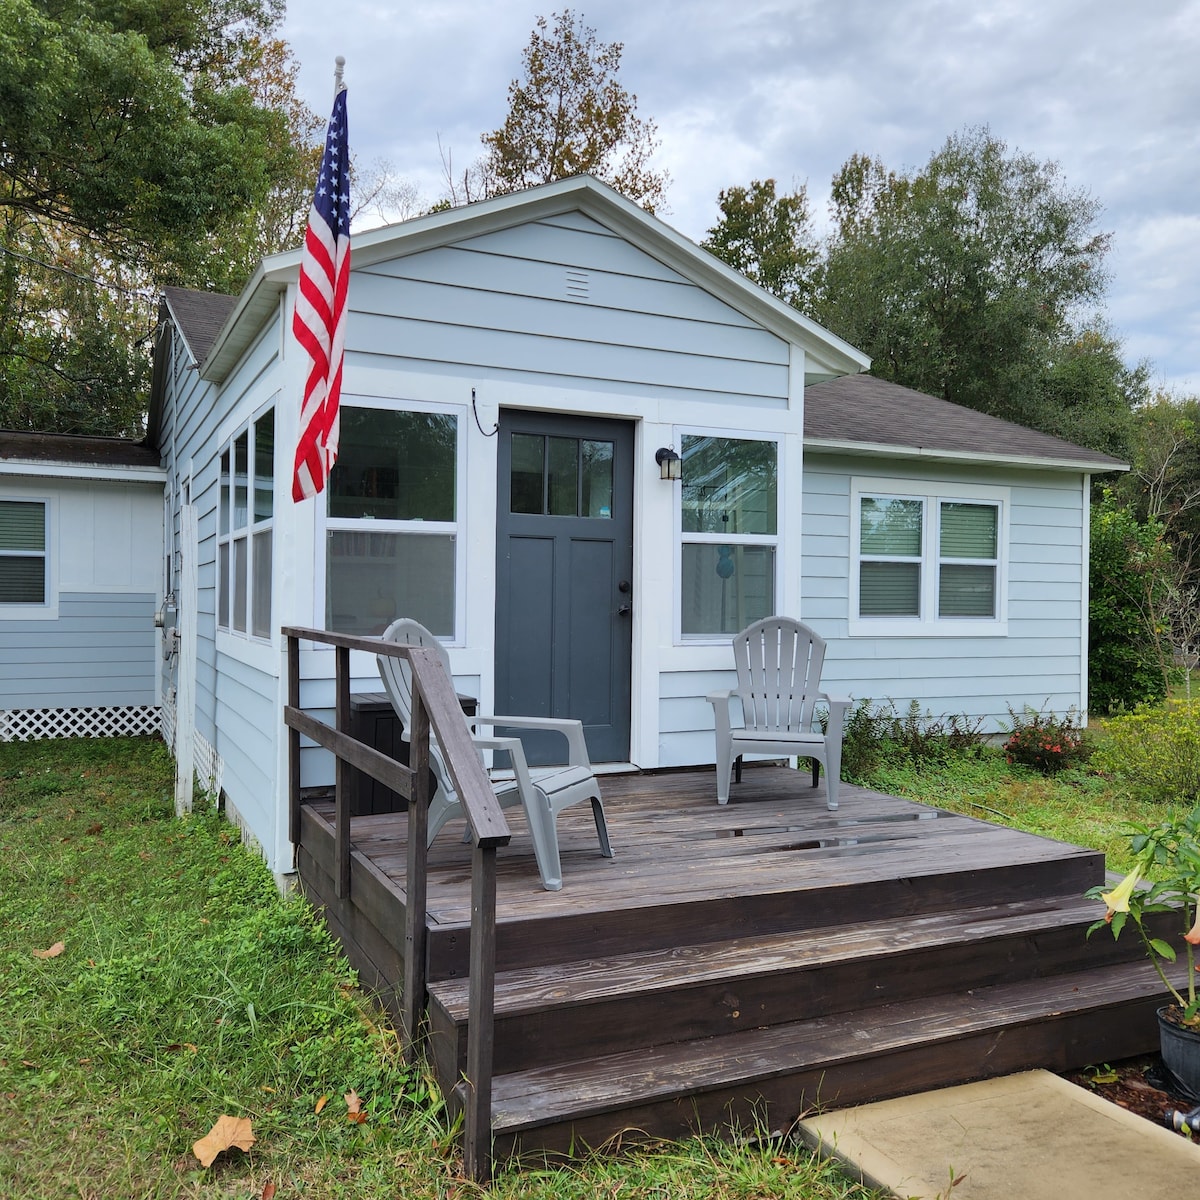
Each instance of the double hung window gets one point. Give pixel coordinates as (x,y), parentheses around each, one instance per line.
(927,560)
(391,529)
(23,562)
(729,533)
(245,528)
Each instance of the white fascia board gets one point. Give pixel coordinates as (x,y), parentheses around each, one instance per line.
(881,450)
(824,350)
(65,470)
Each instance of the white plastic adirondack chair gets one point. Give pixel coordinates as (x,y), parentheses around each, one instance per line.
(543,791)
(778,664)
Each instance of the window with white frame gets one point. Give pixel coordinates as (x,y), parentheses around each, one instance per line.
(245,526)
(24,574)
(392,521)
(729,532)
(927,558)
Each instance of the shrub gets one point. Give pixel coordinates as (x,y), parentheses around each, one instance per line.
(1155,752)
(1043,741)
(875,734)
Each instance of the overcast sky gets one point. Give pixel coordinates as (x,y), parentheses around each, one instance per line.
(789,89)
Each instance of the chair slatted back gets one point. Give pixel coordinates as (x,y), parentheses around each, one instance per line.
(778,664)
(397,682)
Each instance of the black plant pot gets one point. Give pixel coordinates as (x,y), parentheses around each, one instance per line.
(1181,1053)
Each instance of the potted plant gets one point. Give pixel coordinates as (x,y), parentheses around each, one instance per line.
(1165,879)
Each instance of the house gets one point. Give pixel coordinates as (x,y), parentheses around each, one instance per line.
(516,372)
(81,583)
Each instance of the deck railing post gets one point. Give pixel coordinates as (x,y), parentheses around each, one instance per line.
(412,1009)
(293,699)
(477,1126)
(341,824)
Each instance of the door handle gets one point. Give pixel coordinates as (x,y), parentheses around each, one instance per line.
(624,610)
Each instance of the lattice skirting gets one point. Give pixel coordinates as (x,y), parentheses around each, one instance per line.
(126,720)
(207,764)
(167,717)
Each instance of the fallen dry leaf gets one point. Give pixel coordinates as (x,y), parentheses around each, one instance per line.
(354,1107)
(268,1192)
(324,1100)
(228,1131)
(53,952)
(94,829)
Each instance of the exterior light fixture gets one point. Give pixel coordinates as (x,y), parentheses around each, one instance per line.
(670,465)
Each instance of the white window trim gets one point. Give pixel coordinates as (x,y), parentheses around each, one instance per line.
(252,528)
(929,624)
(776,540)
(47,611)
(455,528)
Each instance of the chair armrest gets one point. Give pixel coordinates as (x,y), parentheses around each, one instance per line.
(720,702)
(571,729)
(516,754)
(838,707)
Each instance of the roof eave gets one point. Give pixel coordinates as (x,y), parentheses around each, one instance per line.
(972,457)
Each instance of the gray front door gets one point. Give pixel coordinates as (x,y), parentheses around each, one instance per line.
(564,588)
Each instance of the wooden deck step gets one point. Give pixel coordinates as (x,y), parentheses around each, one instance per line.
(769,1076)
(556,1012)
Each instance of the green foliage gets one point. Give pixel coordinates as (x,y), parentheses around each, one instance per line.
(769,238)
(1168,859)
(569,115)
(1155,752)
(143,145)
(1041,740)
(878,734)
(1128,646)
(969,278)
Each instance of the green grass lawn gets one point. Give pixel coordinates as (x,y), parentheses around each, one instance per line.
(187,988)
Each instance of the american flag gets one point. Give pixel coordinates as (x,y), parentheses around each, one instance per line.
(319,322)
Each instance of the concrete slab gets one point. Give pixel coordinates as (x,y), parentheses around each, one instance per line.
(1031,1136)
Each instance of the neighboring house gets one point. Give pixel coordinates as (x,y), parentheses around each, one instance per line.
(81,581)
(513,369)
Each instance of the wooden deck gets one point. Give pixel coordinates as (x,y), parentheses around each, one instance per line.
(743,964)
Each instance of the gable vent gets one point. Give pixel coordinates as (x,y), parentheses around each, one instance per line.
(578,283)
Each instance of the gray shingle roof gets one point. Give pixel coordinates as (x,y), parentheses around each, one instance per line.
(69,448)
(198,316)
(864,410)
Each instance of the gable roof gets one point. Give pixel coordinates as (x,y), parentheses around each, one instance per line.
(825,352)
(198,316)
(868,415)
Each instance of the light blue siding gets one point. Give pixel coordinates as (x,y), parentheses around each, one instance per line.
(100,652)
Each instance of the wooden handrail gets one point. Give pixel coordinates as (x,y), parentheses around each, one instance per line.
(437,713)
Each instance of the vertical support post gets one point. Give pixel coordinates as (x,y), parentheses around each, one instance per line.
(477,1128)
(341,823)
(293,699)
(416,884)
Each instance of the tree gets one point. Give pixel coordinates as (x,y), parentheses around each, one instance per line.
(128,141)
(769,238)
(973,279)
(568,115)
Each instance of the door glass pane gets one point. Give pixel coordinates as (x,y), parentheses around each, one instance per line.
(966,591)
(597,479)
(240,565)
(528,467)
(562,484)
(889,589)
(729,486)
(395,466)
(264,465)
(968,530)
(260,607)
(22,525)
(373,578)
(23,580)
(726,588)
(890,527)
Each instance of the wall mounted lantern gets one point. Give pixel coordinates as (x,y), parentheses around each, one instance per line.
(670,465)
